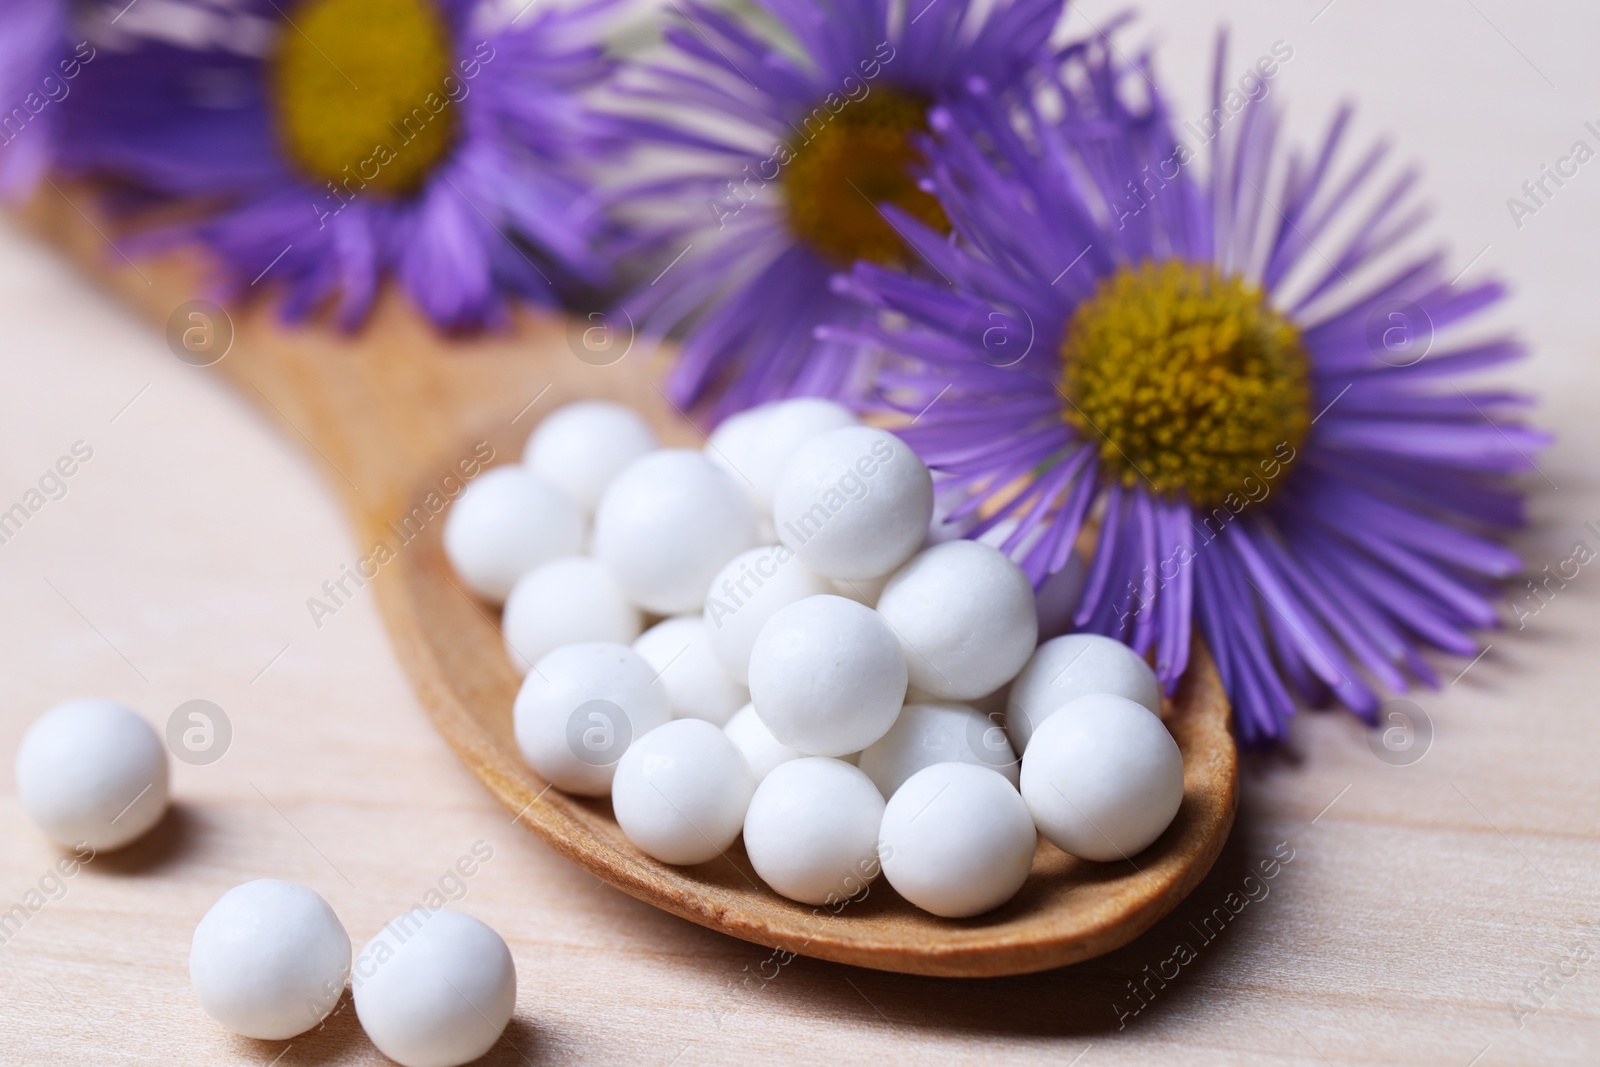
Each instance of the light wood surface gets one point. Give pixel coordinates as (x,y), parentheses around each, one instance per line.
(1420,905)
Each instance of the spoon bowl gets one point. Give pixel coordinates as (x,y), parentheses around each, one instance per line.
(398,415)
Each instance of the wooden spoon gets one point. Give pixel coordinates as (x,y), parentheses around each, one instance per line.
(392,410)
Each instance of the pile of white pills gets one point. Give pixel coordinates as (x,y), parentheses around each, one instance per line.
(763,639)
(772,637)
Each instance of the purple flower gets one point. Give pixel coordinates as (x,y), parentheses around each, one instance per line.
(37,70)
(340,141)
(801,151)
(1236,375)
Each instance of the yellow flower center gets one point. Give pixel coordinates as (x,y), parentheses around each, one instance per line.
(845,165)
(1188,380)
(359,84)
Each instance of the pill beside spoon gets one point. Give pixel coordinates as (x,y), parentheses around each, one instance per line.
(270,959)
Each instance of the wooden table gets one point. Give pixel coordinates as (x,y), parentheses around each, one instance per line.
(1439,913)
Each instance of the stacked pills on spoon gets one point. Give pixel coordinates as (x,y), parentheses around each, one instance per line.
(772,637)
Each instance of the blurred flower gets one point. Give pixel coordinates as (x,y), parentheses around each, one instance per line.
(813,126)
(1271,443)
(37,70)
(337,141)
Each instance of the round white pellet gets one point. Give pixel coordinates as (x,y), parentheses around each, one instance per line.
(760,749)
(505,524)
(862,591)
(681,792)
(678,650)
(435,988)
(940,530)
(92,772)
(991,704)
(926,734)
(1058,594)
(964,614)
(754,444)
(853,503)
(562,602)
(1102,777)
(957,840)
(942,527)
(1058,597)
(812,830)
(269,960)
(666,526)
(1066,668)
(579,709)
(581,447)
(827,676)
(746,593)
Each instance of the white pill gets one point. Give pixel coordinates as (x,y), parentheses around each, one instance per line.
(964,615)
(505,524)
(827,676)
(681,792)
(269,960)
(579,709)
(761,751)
(679,651)
(853,503)
(666,526)
(812,830)
(746,593)
(957,840)
(1058,594)
(940,529)
(754,444)
(995,536)
(926,734)
(1102,777)
(1066,668)
(563,602)
(1058,597)
(861,590)
(435,988)
(581,447)
(92,772)
(991,704)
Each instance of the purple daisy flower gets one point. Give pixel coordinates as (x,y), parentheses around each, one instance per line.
(1275,448)
(340,141)
(37,71)
(805,148)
